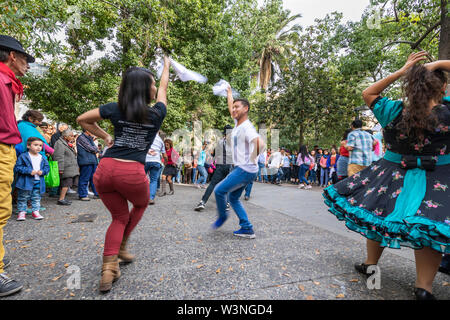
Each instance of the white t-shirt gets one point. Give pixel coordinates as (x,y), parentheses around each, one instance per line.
(154,153)
(241,139)
(275,160)
(36,162)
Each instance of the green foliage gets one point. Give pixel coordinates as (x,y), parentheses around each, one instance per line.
(316,73)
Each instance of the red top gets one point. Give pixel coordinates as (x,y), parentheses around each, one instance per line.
(344,152)
(172,156)
(9,133)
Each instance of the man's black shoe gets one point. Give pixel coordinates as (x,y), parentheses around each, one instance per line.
(8,286)
(246,198)
(64,202)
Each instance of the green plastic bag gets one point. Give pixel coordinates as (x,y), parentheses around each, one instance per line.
(52,178)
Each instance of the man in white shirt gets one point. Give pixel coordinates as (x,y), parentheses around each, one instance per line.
(246,146)
(275,163)
(153,164)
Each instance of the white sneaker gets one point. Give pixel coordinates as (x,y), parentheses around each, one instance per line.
(71,191)
(36,215)
(21,216)
(308,187)
(301,186)
(90,193)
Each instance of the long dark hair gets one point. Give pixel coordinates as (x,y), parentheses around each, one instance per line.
(420,86)
(303,152)
(134,94)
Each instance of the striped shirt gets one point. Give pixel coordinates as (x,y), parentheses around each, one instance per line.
(362,143)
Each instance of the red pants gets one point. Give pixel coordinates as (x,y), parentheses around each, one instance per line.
(118,182)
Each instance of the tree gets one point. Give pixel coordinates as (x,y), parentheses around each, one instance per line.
(199,34)
(278,38)
(312,101)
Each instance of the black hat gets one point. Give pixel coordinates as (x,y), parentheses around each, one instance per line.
(9,43)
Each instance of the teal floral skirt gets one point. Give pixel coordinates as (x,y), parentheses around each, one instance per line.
(369,204)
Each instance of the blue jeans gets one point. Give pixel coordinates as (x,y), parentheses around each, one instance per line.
(248,189)
(263,170)
(233,186)
(203,175)
(312,176)
(324,176)
(277,176)
(159,177)
(24,195)
(194,175)
(301,173)
(286,173)
(86,176)
(153,169)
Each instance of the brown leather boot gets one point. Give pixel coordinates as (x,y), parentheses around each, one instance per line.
(124,255)
(162,193)
(110,272)
(171,188)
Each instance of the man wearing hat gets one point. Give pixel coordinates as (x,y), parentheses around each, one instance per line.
(13,63)
(223,168)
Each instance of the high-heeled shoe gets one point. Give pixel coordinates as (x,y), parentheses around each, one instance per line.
(422,294)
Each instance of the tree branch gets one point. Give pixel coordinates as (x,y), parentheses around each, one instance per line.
(412,45)
(416,44)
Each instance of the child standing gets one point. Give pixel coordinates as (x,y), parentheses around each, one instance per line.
(312,168)
(31,168)
(324,169)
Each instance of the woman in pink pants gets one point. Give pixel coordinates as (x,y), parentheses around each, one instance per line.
(120,176)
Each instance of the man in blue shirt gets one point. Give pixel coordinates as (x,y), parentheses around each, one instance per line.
(360,144)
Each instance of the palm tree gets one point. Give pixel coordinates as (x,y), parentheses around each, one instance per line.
(277,47)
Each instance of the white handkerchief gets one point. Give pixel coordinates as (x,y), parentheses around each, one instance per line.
(181,71)
(220,89)
(187,75)
(160,70)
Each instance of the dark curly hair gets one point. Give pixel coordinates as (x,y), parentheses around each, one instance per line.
(419,88)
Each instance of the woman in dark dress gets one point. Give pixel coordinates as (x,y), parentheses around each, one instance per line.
(403,199)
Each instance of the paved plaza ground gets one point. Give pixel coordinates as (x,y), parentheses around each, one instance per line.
(301,252)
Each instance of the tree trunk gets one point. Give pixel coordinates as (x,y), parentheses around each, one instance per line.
(444,41)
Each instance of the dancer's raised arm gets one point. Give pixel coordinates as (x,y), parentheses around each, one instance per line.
(374,91)
(440,64)
(230,100)
(164,83)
